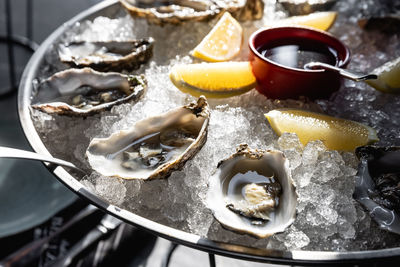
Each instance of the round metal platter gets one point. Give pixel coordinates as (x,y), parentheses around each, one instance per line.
(300,257)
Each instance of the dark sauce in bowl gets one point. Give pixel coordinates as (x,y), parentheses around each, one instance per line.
(296,52)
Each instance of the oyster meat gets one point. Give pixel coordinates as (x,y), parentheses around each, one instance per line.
(83,92)
(304,7)
(252,192)
(153,147)
(378,185)
(106,56)
(178,11)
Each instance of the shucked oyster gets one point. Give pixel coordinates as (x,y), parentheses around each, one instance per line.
(378,185)
(83,92)
(389,23)
(252,192)
(105,56)
(382,16)
(304,7)
(178,11)
(153,147)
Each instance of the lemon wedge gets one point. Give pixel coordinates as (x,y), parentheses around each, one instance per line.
(318,20)
(214,80)
(337,134)
(222,43)
(388,77)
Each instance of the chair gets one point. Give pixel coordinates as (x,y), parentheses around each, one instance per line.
(10,39)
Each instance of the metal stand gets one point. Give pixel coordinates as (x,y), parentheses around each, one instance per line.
(211,259)
(11,40)
(168,256)
(171,250)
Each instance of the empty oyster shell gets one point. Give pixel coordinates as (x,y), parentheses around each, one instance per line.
(378,185)
(304,7)
(252,192)
(153,147)
(178,11)
(83,92)
(105,56)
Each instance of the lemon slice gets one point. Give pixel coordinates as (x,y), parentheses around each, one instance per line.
(388,77)
(222,43)
(215,80)
(337,134)
(318,20)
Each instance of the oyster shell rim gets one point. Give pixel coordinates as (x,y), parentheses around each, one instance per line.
(62,108)
(199,108)
(251,10)
(386,219)
(214,183)
(128,61)
(151,14)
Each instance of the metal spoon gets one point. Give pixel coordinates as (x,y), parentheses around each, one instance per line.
(7,152)
(344,73)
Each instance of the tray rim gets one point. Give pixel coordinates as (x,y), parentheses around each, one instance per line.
(301,257)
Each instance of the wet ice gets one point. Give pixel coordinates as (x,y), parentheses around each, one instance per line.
(328,218)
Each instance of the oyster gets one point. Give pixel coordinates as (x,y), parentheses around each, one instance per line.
(378,185)
(381,16)
(83,92)
(153,147)
(252,192)
(304,7)
(105,56)
(389,24)
(178,11)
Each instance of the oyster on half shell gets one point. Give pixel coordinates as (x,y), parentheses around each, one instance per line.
(153,147)
(378,185)
(304,7)
(252,192)
(178,11)
(106,56)
(389,24)
(83,92)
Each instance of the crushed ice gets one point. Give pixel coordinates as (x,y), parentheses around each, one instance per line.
(328,217)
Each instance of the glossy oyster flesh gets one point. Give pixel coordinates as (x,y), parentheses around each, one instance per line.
(106,56)
(178,11)
(252,192)
(378,185)
(304,7)
(83,92)
(153,147)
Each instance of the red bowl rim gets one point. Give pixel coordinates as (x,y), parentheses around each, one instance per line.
(255,52)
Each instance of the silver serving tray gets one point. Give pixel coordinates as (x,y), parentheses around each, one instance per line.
(108,8)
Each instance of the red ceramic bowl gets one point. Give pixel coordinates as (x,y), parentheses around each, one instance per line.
(279,81)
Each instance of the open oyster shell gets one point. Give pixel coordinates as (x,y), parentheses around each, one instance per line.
(389,24)
(378,185)
(246,176)
(83,92)
(304,7)
(106,56)
(153,147)
(178,11)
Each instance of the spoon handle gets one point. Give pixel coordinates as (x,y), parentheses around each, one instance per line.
(345,73)
(7,152)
